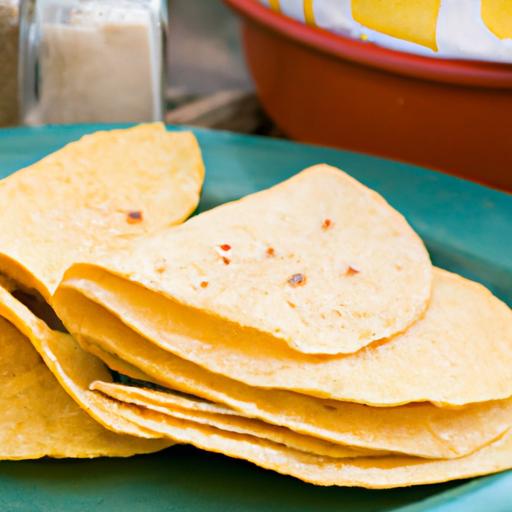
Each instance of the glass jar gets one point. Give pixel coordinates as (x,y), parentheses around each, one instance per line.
(92,60)
(9,34)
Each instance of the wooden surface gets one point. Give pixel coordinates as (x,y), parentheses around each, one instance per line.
(233,110)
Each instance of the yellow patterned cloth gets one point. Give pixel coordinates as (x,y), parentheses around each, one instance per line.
(473,29)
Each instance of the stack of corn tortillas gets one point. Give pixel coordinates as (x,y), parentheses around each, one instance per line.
(302,328)
(91,197)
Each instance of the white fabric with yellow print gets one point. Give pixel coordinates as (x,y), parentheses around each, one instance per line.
(464,29)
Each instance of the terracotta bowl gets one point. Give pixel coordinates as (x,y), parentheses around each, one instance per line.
(454,116)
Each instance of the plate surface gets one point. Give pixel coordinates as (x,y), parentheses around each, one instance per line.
(467,228)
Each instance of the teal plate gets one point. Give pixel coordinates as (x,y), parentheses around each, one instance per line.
(467,228)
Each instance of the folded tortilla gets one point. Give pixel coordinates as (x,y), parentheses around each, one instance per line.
(372,472)
(218,416)
(416,429)
(197,309)
(457,354)
(72,367)
(94,196)
(40,419)
(317,264)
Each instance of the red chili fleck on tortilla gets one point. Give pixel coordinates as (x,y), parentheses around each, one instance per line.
(134,217)
(352,271)
(326,224)
(203,284)
(270,252)
(226,261)
(225,247)
(297,280)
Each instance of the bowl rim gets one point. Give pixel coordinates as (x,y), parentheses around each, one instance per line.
(460,72)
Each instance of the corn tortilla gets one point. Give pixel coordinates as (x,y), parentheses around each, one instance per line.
(458,353)
(94,196)
(73,368)
(372,472)
(417,429)
(40,419)
(218,416)
(117,364)
(318,262)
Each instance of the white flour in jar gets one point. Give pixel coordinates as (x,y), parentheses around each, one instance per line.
(101,65)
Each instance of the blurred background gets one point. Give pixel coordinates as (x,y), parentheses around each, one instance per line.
(428,83)
(204,47)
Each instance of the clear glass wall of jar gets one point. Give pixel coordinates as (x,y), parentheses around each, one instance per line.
(92,60)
